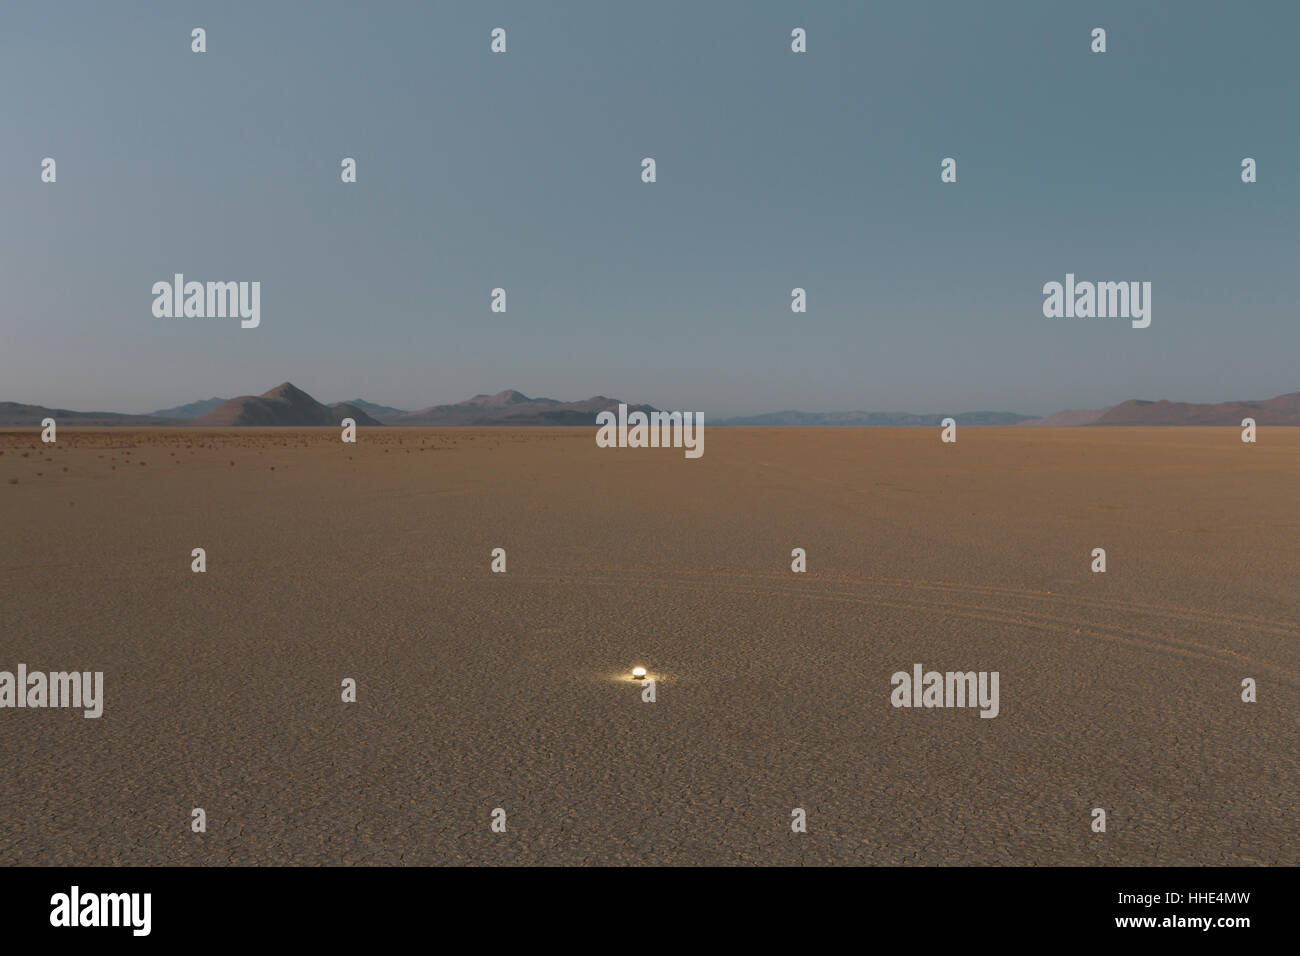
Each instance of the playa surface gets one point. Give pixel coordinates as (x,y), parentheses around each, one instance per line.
(479,690)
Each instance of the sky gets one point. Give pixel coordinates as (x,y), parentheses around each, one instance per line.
(775,170)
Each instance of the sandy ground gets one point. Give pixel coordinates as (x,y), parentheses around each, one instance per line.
(480,690)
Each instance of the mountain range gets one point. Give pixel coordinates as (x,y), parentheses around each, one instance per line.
(288,405)
(508,408)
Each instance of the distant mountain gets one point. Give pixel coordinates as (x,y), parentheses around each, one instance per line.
(379,412)
(192,410)
(15,415)
(344,410)
(513,408)
(1068,418)
(286,404)
(872,419)
(503,399)
(1283,410)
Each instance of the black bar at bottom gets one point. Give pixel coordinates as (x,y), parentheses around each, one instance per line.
(336,906)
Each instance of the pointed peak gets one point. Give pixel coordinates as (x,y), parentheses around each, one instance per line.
(286,391)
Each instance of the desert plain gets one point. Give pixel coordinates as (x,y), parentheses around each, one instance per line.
(478,690)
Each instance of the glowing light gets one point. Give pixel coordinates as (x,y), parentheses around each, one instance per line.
(638,673)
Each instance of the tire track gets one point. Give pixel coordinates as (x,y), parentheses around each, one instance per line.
(1196,615)
(1134,637)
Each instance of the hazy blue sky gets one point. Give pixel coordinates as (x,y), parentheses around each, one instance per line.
(775,170)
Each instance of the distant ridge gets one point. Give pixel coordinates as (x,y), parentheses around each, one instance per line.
(192,410)
(379,412)
(508,397)
(344,410)
(512,408)
(872,419)
(1283,410)
(20,416)
(1068,418)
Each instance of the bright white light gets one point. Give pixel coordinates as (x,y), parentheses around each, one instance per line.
(638,672)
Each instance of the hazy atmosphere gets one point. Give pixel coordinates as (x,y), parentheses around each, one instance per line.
(774,171)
